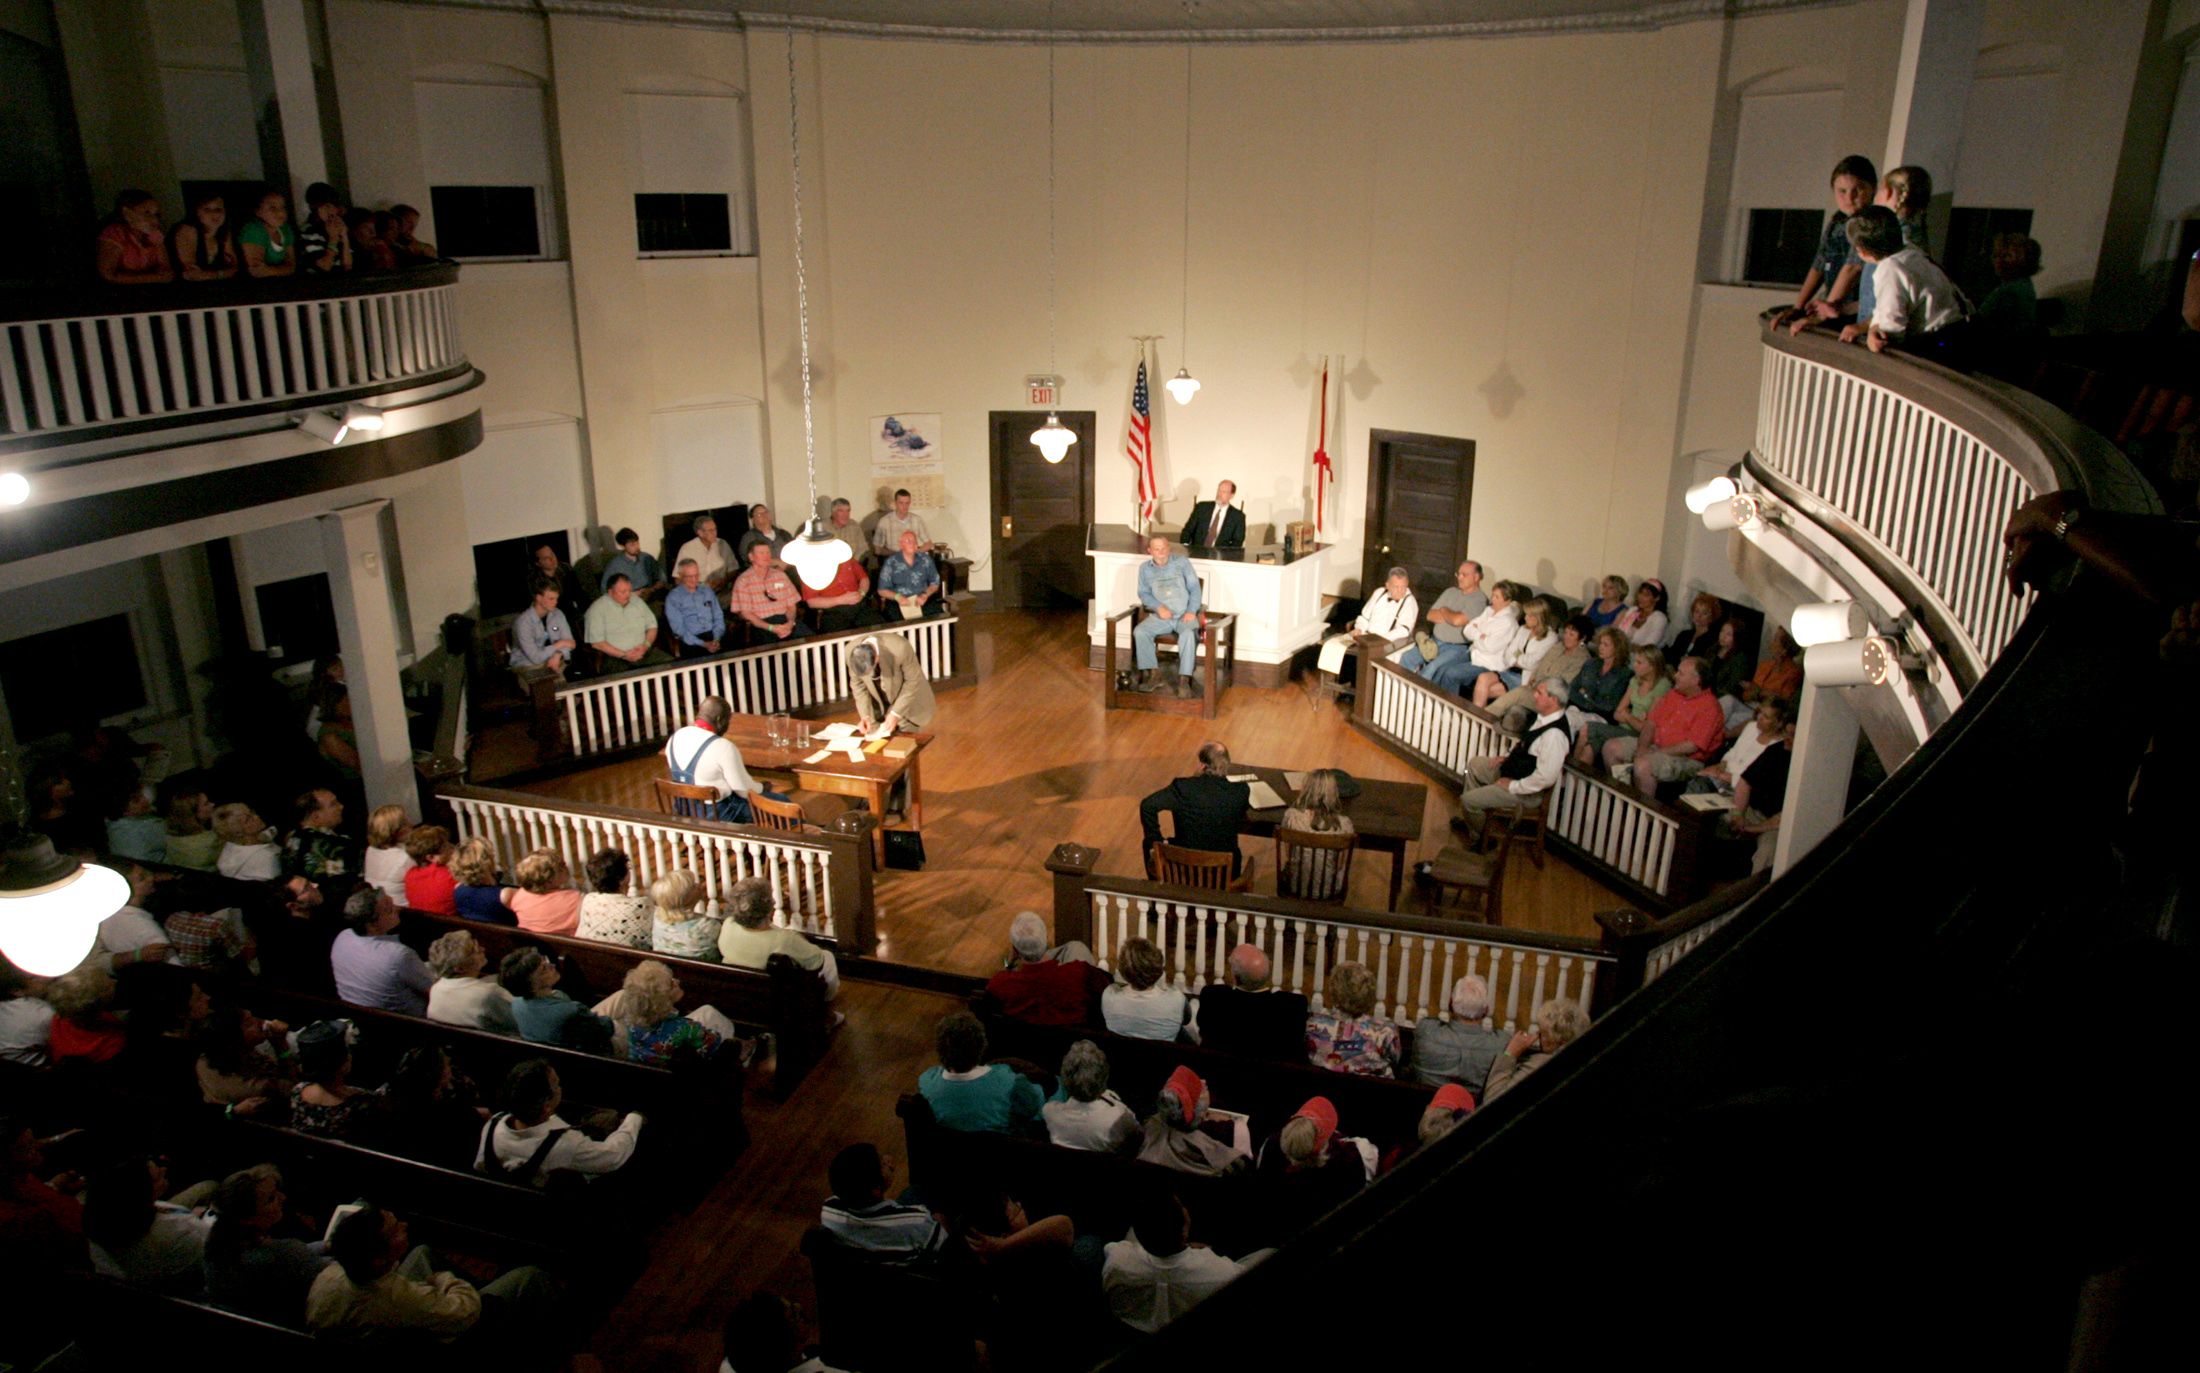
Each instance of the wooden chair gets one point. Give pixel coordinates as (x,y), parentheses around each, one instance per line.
(779,815)
(1459,869)
(1218,633)
(1198,868)
(1524,823)
(1324,858)
(686,800)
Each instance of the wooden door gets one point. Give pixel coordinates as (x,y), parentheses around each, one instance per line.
(1040,512)
(1418,493)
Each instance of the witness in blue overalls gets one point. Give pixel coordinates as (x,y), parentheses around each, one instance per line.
(702,755)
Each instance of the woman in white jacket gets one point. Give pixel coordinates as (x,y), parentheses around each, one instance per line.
(1541,627)
(1496,638)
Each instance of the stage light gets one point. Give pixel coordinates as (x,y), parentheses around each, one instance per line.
(1828,622)
(324,426)
(1707,494)
(363,418)
(51,906)
(1869,661)
(15,488)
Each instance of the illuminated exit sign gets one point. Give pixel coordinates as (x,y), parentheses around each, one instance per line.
(1046,391)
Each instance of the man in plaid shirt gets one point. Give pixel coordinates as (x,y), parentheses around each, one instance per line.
(765,598)
(208,939)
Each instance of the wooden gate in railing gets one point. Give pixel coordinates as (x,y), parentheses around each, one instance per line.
(1641,844)
(632,709)
(821,883)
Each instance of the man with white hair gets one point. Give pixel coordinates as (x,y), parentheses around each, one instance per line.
(1459,1050)
(1521,779)
(1247,1015)
(1043,985)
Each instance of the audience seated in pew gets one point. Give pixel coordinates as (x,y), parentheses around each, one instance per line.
(769,1334)
(1141,1005)
(1730,666)
(249,852)
(1308,1168)
(678,926)
(134,831)
(380,1286)
(967,1093)
(215,942)
(464,993)
(1346,1036)
(140,1235)
(433,1112)
(41,1220)
(1644,622)
(1044,984)
(1699,638)
(131,935)
(859,1215)
(26,1018)
(1446,1112)
(1611,601)
(371,965)
(188,816)
(1084,1114)
(748,938)
(548,1016)
(1597,689)
(429,883)
(1647,684)
(1459,1050)
(1027,1279)
(1248,1014)
(477,893)
(1542,631)
(324,1101)
(1156,1274)
(528,1141)
(249,1265)
(607,913)
(1682,733)
(245,1065)
(845,601)
(315,849)
(1443,646)
(387,861)
(1183,1132)
(647,1011)
(545,902)
(1557,1024)
(85,1028)
(1564,660)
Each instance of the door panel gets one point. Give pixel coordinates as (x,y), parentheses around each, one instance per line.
(1419,494)
(1044,508)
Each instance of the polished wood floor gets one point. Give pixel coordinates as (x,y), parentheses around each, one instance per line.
(1029,758)
(1025,759)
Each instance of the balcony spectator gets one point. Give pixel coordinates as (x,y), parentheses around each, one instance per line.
(249,852)
(477,893)
(1644,622)
(371,965)
(546,901)
(268,242)
(324,239)
(370,251)
(637,567)
(749,938)
(692,612)
(1084,1114)
(677,924)
(463,993)
(1730,668)
(711,554)
(1915,308)
(2012,309)
(1346,1036)
(1459,1050)
(328,671)
(608,913)
(1178,1134)
(410,249)
(967,1093)
(192,840)
(1610,602)
(1044,985)
(1155,1274)
(766,599)
(1557,1024)
(202,243)
(541,638)
(1141,1005)
(909,582)
(130,250)
(1249,1014)
(429,885)
(623,629)
(762,530)
(1855,181)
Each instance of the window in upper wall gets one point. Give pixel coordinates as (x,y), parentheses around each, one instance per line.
(101,679)
(486,151)
(1968,257)
(692,195)
(1781,246)
(297,618)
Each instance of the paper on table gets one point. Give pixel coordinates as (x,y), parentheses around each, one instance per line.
(820,756)
(1296,779)
(1242,777)
(835,731)
(1264,796)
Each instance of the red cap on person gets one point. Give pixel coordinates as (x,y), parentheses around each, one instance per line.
(1453,1097)
(1324,1115)
(1185,1086)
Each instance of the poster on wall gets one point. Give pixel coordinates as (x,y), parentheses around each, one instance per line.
(905,452)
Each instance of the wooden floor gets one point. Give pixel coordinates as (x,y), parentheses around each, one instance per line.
(1025,759)
(1028,758)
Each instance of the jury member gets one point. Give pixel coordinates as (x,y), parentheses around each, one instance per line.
(1209,808)
(692,611)
(845,601)
(762,530)
(890,689)
(1169,590)
(711,553)
(909,581)
(636,566)
(623,629)
(766,598)
(1216,523)
(549,564)
(886,535)
(541,638)
(701,755)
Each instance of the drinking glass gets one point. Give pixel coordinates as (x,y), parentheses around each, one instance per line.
(801,734)
(782,732)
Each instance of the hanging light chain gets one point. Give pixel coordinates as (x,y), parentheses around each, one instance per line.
(801,281)
(1051,269)
(1184,322)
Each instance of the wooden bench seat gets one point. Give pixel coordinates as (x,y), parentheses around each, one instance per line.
(785,1000)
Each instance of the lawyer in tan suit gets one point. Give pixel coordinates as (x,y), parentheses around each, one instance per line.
(890,689)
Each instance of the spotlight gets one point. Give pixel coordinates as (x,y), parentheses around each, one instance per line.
(1702,497)
(1182,387)
(1828,622)
(1053,438)
(324,426)
(15,488)
(1868,661)
(364,418)
(1735,512)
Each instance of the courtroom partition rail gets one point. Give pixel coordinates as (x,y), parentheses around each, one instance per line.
(822,883)
(634,709)
(1637,842)
(1415,960)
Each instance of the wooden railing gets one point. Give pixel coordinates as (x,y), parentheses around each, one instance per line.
(633,709)
(821,883)
(1639,843)
(1414,960)
(161,352)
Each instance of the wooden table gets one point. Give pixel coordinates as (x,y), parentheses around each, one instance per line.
(871,777)
(1386,816)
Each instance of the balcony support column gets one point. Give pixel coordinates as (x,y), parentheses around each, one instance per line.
(366,631)
(1826,734)
(299,143)
(1932,86)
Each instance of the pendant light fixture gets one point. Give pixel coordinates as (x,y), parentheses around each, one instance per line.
(815,553)
(1052,438)
(1183,386)
(51,905)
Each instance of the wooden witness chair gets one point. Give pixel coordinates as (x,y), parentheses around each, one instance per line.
(1218,635)
(1324,857)
(781,815)
(1198,868)
(1524,823)
(685,800)
(1462,870)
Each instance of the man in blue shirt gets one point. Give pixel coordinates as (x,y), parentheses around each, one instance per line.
(540,636)
(692,611)
(1169,590)
(636,566)
(910,580)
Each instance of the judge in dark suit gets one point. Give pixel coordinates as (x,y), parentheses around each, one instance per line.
(1247,1016)
(1209,809)
(1207,529)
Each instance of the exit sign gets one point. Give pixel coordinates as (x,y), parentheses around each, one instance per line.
(1043,390)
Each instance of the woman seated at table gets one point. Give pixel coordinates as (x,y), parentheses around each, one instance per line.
(1311,874)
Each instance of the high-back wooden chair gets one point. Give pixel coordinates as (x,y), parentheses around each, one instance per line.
(1482,875)
(686,800)
(778,815)
(1198,868)
(1314,865)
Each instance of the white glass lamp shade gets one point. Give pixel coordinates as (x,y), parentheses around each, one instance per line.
(1828,622)
(15,488)
(1182,387)
(1053,439)
(1703,497)
(816,555)
(51,907)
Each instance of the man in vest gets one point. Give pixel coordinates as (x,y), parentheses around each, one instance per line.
(702,755)
(1521,779)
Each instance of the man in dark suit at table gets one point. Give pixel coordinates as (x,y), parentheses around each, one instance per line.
(1247,1015)
(1209,808)
(1216,523)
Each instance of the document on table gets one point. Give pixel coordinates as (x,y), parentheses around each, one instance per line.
(838,730)
(1264,796)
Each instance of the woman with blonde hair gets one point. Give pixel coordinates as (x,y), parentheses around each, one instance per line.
(248,845)
(1346,1036)
(546,901)
(678,925)
(1651,681)
(1562,657)
(386,861)
(192,839)
(477,894)
(1315,874)
(647,1007)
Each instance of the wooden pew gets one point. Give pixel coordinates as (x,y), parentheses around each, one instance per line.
(783,999)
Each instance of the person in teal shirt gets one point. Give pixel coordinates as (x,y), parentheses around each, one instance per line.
(267,241)
(967,1093)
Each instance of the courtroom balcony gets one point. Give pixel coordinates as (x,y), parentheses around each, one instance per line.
(133,408)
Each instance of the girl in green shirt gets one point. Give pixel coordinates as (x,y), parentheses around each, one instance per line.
(267,241)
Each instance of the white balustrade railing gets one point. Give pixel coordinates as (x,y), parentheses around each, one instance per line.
(66,373)
(1931,495)
(1635,837)
(799,870)
(1662,958)
(635,708)
(1414,967)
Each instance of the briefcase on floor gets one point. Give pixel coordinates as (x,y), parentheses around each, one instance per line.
(904,850)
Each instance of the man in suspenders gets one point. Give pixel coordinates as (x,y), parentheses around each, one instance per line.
(701,755)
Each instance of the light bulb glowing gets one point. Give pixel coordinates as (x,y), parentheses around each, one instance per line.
(1703,497)
(816,555)
(1053,439)
(1182,387)
(47,930)
(15,488)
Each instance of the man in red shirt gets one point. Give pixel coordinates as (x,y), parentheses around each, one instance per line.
(1684,731)
(844,602)
(1047,986)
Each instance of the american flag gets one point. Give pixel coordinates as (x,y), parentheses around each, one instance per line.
(1138,443)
